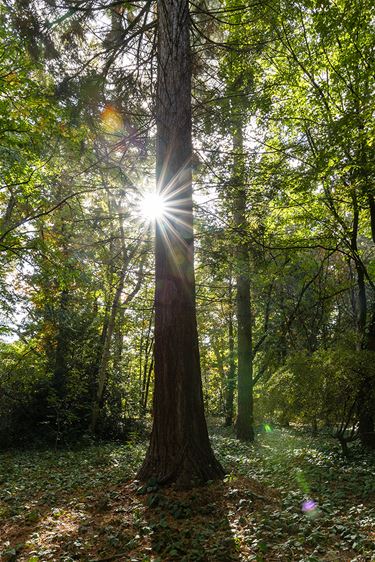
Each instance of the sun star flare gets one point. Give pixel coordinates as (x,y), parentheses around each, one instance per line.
(153,206)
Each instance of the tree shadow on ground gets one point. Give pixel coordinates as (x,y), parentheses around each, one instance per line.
(82,505)
(191,526)
(119,523)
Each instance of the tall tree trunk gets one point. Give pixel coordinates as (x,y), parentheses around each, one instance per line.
(371,202)
(366,399)
(245,416)
(367,424)
(366,391)
(179,449)
(231,373)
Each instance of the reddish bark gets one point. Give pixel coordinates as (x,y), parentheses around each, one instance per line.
(179,449)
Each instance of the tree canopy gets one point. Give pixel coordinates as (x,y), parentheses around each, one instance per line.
(120,119)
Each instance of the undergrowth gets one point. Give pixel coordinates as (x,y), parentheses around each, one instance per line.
(286,497)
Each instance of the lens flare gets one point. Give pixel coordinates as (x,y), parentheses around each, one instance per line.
(308,505)
(112,119)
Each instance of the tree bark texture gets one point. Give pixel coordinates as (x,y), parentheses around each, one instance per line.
(179,450)
(245,416)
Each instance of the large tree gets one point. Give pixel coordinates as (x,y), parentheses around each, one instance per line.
(179,449)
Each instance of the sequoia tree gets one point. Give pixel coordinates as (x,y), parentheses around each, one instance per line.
(179,449)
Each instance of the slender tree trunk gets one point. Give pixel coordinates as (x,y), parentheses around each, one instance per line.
(61,368)
(119,341)
(179,449)
(147,352)
(245,421)
(106,351)
(367,421)
(105,356)
(371,202)
(231,382)
(147,386)
(217,347)
(147,370)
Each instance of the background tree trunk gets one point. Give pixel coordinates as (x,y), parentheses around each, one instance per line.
(231,373)
(179,449)
(245,416)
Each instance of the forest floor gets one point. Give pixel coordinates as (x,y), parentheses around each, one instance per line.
(288,497)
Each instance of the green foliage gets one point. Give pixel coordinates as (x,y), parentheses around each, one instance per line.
(301,466)
(24,393)
(319,388)
(76,130)
(66,229)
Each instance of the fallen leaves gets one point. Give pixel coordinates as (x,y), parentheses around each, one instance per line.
(83,505)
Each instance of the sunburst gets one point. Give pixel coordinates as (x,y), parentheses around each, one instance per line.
(153,206)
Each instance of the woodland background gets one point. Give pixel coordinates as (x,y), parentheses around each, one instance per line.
(283,177)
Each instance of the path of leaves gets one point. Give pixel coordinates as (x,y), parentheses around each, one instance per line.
(83,505)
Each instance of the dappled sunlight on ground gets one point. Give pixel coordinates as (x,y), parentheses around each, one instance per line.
(287,497)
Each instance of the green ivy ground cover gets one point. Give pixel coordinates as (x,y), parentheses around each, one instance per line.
(287,497)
